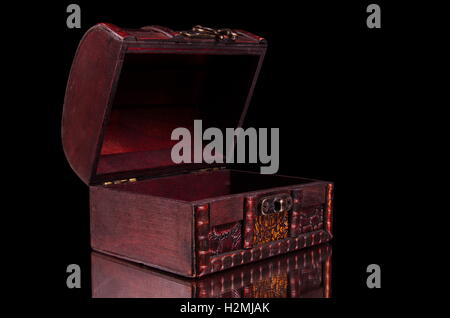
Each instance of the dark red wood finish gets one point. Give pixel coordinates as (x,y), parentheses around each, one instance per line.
(92,80)
(122,100)
(176,235)
(146,229)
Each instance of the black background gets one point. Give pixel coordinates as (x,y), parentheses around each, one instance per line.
(335,88)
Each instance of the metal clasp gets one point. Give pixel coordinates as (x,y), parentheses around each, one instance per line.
(278,203)
(202,32)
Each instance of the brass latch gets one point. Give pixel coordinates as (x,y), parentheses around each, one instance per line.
(275,204)
(202,32)
(120,181)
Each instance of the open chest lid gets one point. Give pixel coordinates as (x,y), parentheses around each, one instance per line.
(129,89)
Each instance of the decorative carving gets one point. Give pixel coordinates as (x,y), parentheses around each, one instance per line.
(266,235)
(227,260)
(225,238)
(310,219)
(272,227)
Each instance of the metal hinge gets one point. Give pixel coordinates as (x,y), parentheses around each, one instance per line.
(208,169)
(120,181)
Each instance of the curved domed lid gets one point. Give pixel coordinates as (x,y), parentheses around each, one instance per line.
(128,89)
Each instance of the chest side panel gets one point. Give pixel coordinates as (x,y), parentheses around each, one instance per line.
(141,228)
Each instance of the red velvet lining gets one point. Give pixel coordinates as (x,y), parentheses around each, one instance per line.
(145,128)
(157,93)
(134,142)
(134,161)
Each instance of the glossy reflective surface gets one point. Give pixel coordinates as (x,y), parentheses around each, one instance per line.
(302,274)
